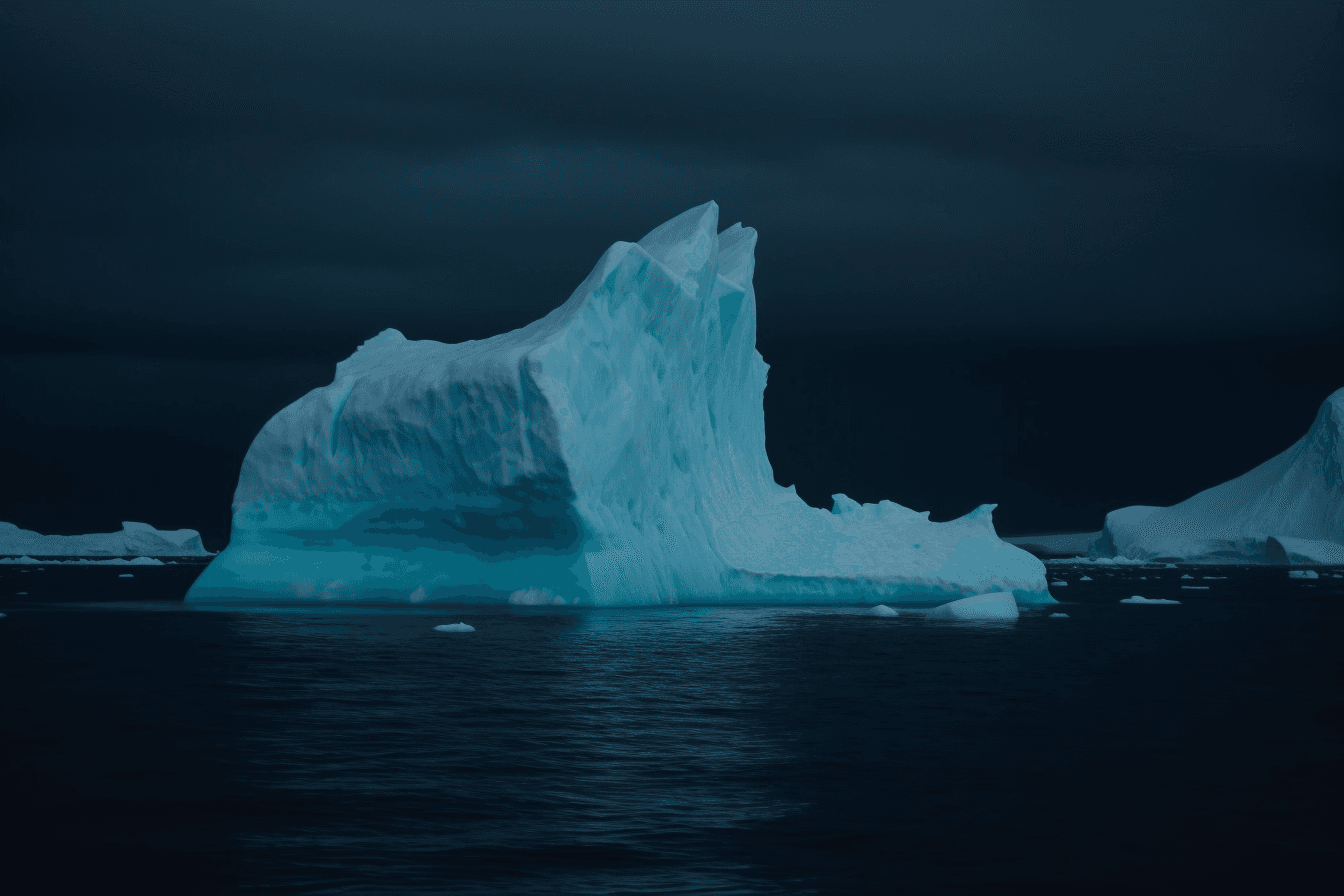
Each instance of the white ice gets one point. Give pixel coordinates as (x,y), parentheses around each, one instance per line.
(454,627)
(1290,509)
(882,610)
(982,607)
(1144,600)
(612,453)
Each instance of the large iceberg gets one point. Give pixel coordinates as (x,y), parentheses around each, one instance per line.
(1290,509)
(134,539)
(611,453)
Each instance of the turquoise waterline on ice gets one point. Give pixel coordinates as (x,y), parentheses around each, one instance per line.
(611,453)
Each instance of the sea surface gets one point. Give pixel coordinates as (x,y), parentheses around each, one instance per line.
(147,746)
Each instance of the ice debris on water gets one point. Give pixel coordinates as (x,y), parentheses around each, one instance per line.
(126,575)
(882,610)
(1144,600)
(997,607)
(1303,574)
(1059,615)
(1194,587)
(454,627)
(1187,577)
(1085,579)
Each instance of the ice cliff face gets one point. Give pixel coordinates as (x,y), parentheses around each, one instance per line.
(611,453)
(1288,509)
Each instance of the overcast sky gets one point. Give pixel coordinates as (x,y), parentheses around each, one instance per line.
(205,205)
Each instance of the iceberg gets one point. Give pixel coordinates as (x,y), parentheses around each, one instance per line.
(1290,509)
(454,627)
(611,453)
(882,610)
(134,539)
(1147,600)
(981,608)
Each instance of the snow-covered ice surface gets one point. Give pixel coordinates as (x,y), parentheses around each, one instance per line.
(999,607)
(139,539)
(1290,509)
(611,453)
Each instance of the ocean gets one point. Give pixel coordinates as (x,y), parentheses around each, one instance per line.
(154,747)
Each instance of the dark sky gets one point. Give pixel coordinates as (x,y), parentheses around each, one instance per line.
(1049,255)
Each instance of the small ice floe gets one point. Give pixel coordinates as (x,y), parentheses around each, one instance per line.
(997,607)
(1085,579)
(882,610)
(455,627)
(1338,576)
(1187,577)
(21,593)
(536,597)
(1143,600)
(1211,578)
(1058,584)
(2,615)
(1059,615)
(1194,587)
(1303,574)
(1143,578)
(126,575)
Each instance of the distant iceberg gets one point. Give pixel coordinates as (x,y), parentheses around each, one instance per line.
(611,453)
(1290,509)
(134,539)
(981,608)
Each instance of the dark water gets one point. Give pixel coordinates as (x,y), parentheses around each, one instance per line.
(681,750)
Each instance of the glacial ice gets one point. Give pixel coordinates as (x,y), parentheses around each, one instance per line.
(611,453)
(138,539)
(882,610)
(981,608)
(1290,509)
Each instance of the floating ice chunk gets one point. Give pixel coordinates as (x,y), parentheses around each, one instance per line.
(882,610)
(998,606)
(454,627)
(1194,587)
(126,575)
(1187,576)
(1099,561)
(536,597)
(1143,600)
(1143,578)
(1059,615)
(1060,584)
(1085,579)
(1212,577)
(1303,574)
(19,561)
(1338,576)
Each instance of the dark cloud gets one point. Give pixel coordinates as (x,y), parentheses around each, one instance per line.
(261,184)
